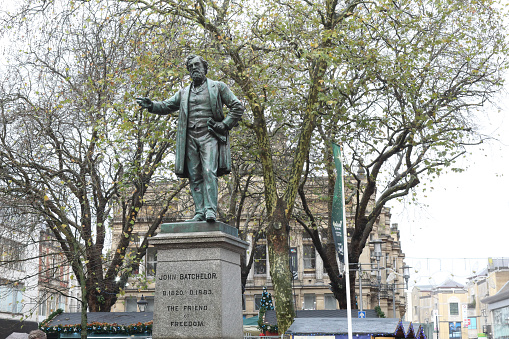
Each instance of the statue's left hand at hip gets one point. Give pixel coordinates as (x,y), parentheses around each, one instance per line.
(219,127)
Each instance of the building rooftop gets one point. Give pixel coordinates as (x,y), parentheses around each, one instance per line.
(372,326)
(502,294)
(270,316)
(498,263)
(424,287)
(449,283)
(479,275)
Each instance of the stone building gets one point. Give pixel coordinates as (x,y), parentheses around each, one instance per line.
(18,284)
(469,311)
(35,279)
(498,312)
(311,283)
(485,290)
(382,280)
(57,287)
(445,306)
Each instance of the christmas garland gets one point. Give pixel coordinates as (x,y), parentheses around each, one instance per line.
(101,328)
(51,316)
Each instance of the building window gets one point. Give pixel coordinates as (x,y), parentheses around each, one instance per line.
(61,302)
(10,298)
(330,301)
(455,330)
(150,304)
(130,259)
(42,309)
(262,235)
(473,323)
(151,261)
(54,266)
(257,301)
(260,259)
(309,256)
(11,254)
(53,303)
(134,239)
(74,305)
(309,302)
(454,309)
(131,304)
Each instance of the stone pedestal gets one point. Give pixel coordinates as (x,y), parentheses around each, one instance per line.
(198,287)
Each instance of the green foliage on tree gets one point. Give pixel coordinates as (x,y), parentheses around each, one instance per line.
(379,312)
(399,84)
(406,111)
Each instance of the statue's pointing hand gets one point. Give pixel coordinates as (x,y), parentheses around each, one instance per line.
(145,103)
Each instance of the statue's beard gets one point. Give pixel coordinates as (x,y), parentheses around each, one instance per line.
(197,76)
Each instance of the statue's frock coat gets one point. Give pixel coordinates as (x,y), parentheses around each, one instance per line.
(220,95)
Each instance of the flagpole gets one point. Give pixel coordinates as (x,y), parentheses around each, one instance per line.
(338,224)
(347,264)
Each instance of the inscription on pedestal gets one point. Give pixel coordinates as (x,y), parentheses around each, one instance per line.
(188,298)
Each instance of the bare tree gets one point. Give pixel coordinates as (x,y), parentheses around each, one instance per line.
(75,150)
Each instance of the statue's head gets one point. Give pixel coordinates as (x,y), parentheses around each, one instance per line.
(191,57)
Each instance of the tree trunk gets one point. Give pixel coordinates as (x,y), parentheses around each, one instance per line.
(338,286)
(84,310)
(279,249)
(100,297)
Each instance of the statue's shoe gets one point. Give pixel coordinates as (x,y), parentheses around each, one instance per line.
(210,216)
(197,217)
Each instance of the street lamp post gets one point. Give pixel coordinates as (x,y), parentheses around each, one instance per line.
(142,304)
(360,288)
(361,306)
(406,274)
(391,277)
(394,300)
(377,243)
(437,327)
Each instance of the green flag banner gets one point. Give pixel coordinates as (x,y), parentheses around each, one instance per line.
(338,208)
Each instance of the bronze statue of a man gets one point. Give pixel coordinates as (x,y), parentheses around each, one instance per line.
(203,147)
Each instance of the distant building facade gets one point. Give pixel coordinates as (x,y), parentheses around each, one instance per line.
(34,277)
(486,305)
(498,310)
(57,289)
(445,306)
(471,311)
(18,283)
(310,285)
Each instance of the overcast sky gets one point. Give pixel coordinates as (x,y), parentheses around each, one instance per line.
(465,221)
